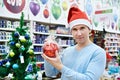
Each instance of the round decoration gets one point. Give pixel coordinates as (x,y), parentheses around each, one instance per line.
(46,13)
(15,66)
(34,7)
(14,6)
(56,11)
(64,5)
(44,1)
(88,7)
(115,17)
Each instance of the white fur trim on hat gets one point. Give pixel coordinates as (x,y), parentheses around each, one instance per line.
(80,21)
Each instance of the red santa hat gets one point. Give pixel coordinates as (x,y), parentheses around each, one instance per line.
(76,16)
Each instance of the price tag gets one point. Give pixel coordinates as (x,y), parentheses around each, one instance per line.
(22,59)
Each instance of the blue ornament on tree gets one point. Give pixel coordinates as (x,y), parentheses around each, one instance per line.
(27,36)
(12,43)
(1,63)
(8,64)
(29,77)
(15,66)
(5,60)
(29,68)
(16,34)
(22,48)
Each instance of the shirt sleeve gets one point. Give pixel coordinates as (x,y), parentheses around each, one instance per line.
(50,71)
(94,70)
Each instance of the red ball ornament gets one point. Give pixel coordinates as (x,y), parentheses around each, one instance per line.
(50,47)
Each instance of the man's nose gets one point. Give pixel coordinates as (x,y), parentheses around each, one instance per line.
(79,32)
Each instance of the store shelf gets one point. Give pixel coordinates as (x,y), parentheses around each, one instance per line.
(3,40)
(38,32)
(7,29)
(112,43)
(62,35)
(7,26)
(38,52)
(42,30)
(39,62)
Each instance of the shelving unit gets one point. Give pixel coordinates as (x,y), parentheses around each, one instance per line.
(42,30)
(7,26)
(39,31)
(112,43)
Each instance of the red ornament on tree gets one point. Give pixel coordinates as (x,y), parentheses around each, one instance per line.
(50,47)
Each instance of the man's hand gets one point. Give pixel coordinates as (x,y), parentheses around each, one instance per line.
(56,62)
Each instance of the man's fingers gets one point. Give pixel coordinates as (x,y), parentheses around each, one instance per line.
(56,53)
(46,57)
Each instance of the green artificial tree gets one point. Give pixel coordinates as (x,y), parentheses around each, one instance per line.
(20,62)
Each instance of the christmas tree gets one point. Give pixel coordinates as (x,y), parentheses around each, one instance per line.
(20,62)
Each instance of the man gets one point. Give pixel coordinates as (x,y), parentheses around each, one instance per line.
(83,61)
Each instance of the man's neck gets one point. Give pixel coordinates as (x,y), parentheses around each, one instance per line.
(80,46)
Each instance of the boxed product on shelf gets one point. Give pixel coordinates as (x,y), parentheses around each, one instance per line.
(39,58)
(112,42)
(2,23)
(2,35)
(2,49)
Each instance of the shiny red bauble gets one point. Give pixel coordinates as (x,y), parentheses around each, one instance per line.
(49,48)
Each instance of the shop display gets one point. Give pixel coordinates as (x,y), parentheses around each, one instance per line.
(5,30)
(112,43)
(50,46)
(45,18)
(40,31)
(20,59)
(7,26)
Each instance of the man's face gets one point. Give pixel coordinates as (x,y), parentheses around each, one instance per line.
(80,33)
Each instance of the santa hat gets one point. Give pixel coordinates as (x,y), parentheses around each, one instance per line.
(76,16)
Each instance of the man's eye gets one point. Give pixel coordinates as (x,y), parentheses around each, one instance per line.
(82,27)
(74,29)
